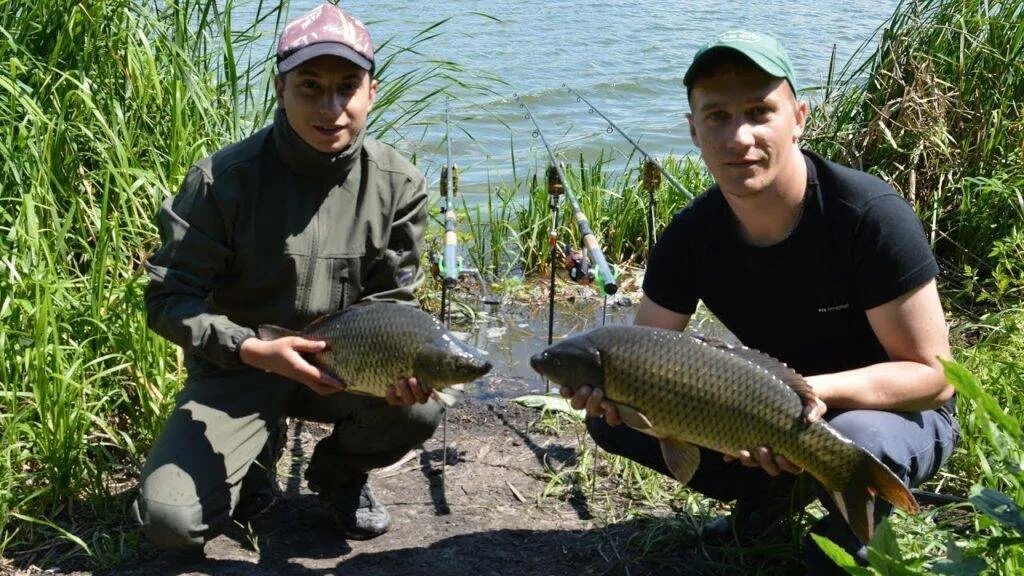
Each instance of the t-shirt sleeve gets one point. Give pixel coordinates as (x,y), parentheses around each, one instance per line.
(669,280)
(891,252)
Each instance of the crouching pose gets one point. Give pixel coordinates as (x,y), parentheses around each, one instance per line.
(303,218)
(824,267)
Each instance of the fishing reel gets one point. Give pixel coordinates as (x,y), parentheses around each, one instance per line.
(437,269)
(578,265)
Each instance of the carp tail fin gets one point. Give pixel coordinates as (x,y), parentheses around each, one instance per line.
(857,501)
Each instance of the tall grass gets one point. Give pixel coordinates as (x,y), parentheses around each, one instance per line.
(104,104)
(935,106)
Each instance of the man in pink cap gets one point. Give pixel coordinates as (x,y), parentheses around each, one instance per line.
(303,218)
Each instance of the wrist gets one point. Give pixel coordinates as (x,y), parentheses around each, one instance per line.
(820,386)
(247,349)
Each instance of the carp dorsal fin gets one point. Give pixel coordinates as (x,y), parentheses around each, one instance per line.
(271,332)
(772,365)
(682,459)
(316,322)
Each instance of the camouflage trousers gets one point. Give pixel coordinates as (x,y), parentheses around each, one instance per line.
(223,438)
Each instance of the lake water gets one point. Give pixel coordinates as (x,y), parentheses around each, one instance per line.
(626,57)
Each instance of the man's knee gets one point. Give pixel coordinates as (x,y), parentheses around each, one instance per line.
(379,436)
(421,421)
(881,434)
(863,427)
(170,525)
(171,513)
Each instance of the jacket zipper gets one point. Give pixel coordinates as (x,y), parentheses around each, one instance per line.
(311,265)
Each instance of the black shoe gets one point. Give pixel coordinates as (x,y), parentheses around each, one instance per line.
(357,512)
(749,524)
(252,506)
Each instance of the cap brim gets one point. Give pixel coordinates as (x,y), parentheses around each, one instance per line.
(771,67)
(323,49)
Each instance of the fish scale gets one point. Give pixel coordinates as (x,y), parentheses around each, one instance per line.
(699,399)
(687,390)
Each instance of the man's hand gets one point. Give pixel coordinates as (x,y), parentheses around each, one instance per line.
(283,356)
(775,464)
(406,392)
(763,457)
(593,401)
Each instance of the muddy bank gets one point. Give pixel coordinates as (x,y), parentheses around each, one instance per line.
(482,517)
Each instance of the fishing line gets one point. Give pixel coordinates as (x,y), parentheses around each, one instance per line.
(593,109)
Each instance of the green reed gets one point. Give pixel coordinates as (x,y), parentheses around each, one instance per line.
(511,230)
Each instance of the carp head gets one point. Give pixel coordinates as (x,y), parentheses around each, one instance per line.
(572,363)
(447,360)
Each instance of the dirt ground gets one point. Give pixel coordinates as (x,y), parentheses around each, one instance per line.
(483,517)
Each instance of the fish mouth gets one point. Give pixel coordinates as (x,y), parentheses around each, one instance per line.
(485,368)
(537,362)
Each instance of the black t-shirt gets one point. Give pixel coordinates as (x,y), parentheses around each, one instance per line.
(857,245)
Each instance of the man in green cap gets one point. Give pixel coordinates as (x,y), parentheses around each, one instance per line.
(303,218)
(822,266)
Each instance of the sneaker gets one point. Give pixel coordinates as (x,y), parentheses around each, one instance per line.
(357,512)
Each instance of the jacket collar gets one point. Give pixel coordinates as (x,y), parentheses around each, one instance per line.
(308,161)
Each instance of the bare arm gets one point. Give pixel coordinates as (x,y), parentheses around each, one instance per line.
(657,316)
(912,329)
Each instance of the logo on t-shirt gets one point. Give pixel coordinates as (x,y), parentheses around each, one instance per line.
(836,308)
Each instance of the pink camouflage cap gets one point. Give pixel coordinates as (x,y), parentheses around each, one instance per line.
(324,30)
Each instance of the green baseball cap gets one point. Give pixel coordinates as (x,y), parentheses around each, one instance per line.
(761,49)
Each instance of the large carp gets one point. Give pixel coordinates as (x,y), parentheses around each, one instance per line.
(689,391)
(371,345)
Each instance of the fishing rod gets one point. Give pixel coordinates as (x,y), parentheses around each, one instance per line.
(605,278)
(448,264)
(675,183)
(558,185)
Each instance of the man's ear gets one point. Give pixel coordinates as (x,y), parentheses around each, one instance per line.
(373,90)
(279,80)
(693,130)
(801,119)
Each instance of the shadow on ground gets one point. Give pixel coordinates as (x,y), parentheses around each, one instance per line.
(300,547)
